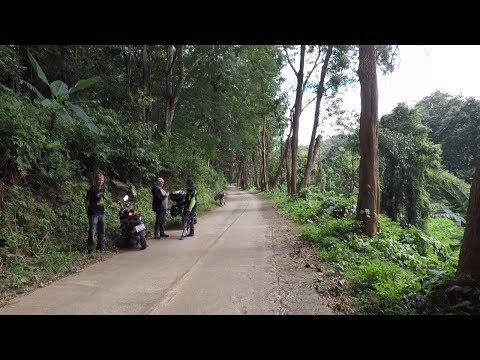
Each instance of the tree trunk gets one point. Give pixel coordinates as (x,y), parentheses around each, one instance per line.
(128,72)
(283,159)
(261,172)
(283,156)
(239,172)
(264,154)
(146,70)
(296,121)
(169,108)
(313,141)
(388,200)
(289,156)
(352,175)
(145,108)
(368,204)
(255,171)
(468,270)
(62,63)
(244,176)
(319,179)
(313,155)
(258,174)
(172,91)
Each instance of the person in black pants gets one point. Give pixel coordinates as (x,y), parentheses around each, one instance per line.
(159,206)
(190,207)
(94,204)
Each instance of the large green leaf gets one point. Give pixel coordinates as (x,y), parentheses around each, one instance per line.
(59,88)
(63,113)
(86,119)
(46,103)
(38,69)
(82,84)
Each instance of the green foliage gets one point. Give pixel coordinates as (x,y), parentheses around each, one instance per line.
(336,206)
(446,232)
(406,154)
(445,188)
(228,96)
(296,210)
(47,164)
(10,65)
(59,103)
(234,87)
(396,271)
(455,126)
(38,239)
(443,211)
(380,287)
(42,239)
(386,56)
(340,159)
(26,145)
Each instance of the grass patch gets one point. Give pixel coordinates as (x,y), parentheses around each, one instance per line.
(399,271)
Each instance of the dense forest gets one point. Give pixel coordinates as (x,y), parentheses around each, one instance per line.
(391,204)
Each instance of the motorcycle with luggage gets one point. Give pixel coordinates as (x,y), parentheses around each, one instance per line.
(132,226)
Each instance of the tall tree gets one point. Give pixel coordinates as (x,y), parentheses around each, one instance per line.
(263,154)
(296,120)
(468,270)
(172,91)
(283,160)
(127,58)
(314,139)
(297,111)
(288,166)
(368,204)
(174,81)
(145,103)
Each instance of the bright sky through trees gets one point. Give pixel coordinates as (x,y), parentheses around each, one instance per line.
(420,70)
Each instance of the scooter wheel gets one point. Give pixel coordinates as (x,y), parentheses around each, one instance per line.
(143,241)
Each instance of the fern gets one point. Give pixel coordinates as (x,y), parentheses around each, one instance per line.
(121,185)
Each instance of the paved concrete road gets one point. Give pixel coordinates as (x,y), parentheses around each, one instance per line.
(226,268)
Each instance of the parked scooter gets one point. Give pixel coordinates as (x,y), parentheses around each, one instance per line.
(133,229)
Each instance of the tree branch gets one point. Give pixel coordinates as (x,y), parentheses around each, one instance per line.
(170,66)
(309,102)
(397,48)
(181,78)
(199,57)
(313,68)
(288,58)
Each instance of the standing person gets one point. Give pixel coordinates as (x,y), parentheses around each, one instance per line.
(159,206)
(94,204)
(190,206)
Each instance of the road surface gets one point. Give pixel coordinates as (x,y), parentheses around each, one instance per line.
(235,264)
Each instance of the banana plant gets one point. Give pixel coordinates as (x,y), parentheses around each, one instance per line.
(59,103)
